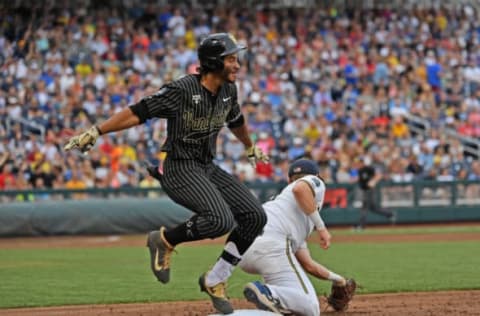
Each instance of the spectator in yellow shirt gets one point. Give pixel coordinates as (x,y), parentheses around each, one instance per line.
(127,151)
(150,182)
(83,69)
(399,128)
(76,183)
(311,132)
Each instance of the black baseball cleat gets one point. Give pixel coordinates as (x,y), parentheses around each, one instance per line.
(217,294)
(160,253)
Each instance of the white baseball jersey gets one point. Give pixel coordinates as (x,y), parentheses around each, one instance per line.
(285,216)
(272,255)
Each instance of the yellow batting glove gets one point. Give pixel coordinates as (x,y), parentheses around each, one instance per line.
(255,154)
(83,142)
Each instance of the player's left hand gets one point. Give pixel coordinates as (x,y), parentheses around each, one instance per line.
(340,296)
(83,142)
(255,154)
(325,238)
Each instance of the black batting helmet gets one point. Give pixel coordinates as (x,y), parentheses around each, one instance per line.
(214,48)
(303,166)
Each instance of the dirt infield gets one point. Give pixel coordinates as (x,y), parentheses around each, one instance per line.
(405,304)
(400,304)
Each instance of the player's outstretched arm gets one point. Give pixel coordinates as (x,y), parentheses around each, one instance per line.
(119,121)
(310,265)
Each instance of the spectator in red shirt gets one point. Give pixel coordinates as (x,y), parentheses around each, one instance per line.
(6,176)
(264,171)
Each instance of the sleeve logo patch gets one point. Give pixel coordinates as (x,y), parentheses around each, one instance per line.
(196,98)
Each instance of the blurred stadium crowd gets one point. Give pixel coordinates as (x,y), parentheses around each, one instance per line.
(335,86)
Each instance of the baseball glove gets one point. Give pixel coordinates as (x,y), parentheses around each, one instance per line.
(340,296)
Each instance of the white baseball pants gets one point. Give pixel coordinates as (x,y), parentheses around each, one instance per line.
(273,259)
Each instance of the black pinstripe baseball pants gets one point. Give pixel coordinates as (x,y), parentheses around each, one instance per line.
(219,200)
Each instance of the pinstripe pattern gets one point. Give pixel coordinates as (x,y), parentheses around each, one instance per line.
(194,118)
(218,199)
(247,210)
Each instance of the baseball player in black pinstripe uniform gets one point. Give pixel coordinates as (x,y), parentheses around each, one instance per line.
(197,107)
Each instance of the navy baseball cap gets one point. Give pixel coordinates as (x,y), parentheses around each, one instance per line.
(303,166)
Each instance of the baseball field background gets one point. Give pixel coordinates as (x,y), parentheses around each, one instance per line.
(403,270)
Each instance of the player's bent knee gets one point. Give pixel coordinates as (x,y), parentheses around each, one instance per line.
(261,219)
(221,227)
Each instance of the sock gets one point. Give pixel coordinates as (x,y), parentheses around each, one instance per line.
(241,244)
(335,278)
(232,249)
(224,266)
(183,232)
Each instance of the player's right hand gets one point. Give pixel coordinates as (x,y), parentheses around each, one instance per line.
(85,141)
(255,154)
(324,238)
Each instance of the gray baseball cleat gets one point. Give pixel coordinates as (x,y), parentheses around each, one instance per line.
(160,253)
(217,294)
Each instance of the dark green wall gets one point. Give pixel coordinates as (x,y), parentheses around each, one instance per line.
(138,215)
(128,210)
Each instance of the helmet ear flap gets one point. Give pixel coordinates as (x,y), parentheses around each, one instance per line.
(219,63)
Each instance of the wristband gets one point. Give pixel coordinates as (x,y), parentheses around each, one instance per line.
(317,220)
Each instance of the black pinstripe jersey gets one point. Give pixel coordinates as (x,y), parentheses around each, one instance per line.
(194,116)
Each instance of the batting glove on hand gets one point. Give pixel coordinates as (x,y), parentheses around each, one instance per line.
(85,141)
(254,154)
